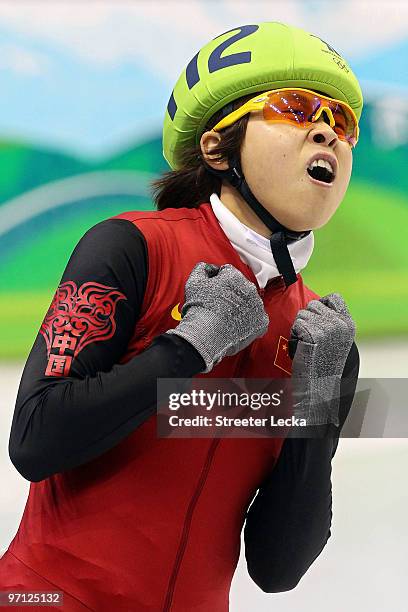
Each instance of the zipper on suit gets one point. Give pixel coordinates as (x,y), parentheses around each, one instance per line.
(187,524)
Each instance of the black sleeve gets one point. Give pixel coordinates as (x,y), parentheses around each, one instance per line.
(288,524)
(75,400)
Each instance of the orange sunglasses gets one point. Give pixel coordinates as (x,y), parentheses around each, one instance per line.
(300,107)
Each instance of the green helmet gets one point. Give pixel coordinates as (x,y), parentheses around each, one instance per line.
(250,59)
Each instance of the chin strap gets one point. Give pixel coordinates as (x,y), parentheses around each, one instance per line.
(281,236)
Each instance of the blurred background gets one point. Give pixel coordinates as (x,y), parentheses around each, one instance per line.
(84,88)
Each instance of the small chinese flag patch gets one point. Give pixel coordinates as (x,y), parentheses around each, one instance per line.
(282,359)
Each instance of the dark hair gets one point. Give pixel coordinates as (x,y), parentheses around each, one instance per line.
(193,184)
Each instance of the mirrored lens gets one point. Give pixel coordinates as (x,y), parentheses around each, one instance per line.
(299,108)
(294,106)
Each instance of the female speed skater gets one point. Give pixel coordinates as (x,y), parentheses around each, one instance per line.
(258,132)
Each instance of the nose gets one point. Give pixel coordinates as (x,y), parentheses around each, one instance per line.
(321,131)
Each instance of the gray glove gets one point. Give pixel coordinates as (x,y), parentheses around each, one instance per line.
(325,333)
(222,313)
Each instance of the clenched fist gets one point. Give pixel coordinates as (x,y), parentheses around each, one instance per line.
(321,338)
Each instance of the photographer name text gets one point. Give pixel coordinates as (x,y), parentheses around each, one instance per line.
(223,421)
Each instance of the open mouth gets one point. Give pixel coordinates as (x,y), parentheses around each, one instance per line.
(322,174)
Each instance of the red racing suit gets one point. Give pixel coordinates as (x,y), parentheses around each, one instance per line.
(154,524)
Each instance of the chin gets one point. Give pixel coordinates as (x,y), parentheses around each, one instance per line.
(303,227)
(312,222)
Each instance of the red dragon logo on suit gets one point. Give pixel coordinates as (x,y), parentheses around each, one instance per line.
(75,318)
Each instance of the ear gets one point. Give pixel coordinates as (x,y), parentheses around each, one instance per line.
(208,142)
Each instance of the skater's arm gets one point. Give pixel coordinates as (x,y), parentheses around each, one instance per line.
(70,407)
(288,523)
